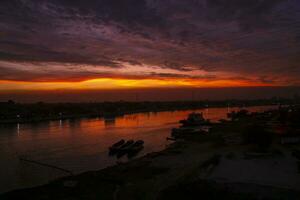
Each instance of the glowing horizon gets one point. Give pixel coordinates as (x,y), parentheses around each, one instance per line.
(80,45)
(119,83)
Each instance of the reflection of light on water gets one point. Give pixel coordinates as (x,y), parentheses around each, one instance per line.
(109,123)
(18,128)
(206,110)
(91,147)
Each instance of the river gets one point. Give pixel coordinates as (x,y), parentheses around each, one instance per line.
(82,145)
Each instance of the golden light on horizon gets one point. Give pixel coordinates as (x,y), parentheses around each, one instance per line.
(123,83)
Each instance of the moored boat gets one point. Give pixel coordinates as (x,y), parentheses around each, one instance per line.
(194,119)
(130,147)
(124,148)
(115,147)
(136,148)
(127,145)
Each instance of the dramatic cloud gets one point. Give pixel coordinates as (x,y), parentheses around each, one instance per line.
(75,40)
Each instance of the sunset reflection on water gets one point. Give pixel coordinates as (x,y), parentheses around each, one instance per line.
(80,145)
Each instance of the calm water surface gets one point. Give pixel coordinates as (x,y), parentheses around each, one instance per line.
(81,145)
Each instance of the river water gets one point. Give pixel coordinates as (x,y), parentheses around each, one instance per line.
(82,145)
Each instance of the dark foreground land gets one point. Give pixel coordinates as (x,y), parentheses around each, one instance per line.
(253,156)
(11,112)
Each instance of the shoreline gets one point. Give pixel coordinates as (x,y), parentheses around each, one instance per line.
(114,115)
(197,161)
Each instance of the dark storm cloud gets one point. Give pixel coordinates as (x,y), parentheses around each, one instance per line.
(131,12)
(257,37)
(44,76)
(36,53)
(248,13)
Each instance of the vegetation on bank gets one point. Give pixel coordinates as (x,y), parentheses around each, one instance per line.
(12,112)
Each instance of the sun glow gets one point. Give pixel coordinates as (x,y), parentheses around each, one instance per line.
(120,83)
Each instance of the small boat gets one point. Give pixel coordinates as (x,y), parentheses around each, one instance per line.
(135,148)
(127,145)
(124,148)
(118,144)
(115,147)
(194,119)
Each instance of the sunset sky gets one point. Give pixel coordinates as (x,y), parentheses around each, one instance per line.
(136,44)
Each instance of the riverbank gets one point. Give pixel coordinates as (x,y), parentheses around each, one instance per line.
(13,113)
(211,166)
